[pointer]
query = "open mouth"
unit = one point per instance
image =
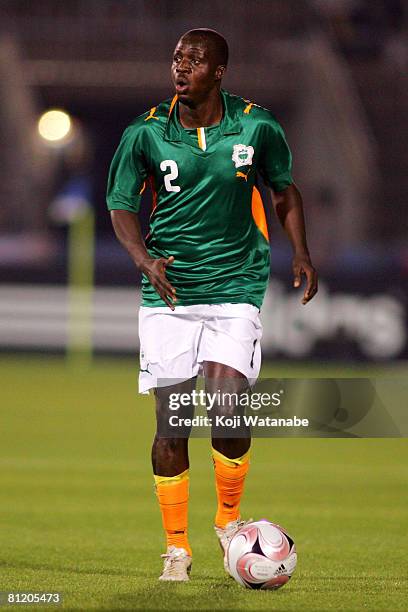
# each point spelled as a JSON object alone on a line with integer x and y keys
{"x": 181, "y": 85}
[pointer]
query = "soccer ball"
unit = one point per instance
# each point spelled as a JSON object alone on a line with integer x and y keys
{"x": 262, "y": 555}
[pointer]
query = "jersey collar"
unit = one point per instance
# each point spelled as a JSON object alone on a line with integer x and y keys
{"x": 230, "y": 123}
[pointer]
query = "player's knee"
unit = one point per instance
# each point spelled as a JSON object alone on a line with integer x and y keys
{"x": 228, "y": 408}
{"x": 169, "y": 446}
{"x": 226, "y": 411}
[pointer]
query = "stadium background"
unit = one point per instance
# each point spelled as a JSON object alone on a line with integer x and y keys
{"x": 78, "y": 509}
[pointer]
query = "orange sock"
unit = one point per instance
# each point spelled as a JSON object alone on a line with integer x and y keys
{"x": 172, "y": 493}
{"x": 229, "y": 482}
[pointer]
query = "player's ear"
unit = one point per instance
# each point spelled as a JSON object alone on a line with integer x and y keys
{"x": 219, "y": 72}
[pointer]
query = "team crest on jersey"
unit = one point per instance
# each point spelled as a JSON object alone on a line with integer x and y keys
{"x": 242, "y": 155}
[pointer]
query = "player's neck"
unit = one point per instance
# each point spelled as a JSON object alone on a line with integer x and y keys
{"x": 206, "y": 113}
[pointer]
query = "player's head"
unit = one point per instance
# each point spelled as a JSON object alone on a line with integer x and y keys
{"x": 199, "y": 63}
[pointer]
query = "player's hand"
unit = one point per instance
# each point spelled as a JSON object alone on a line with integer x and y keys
{"x": 155, "y": 270}
{"x": 302, "y": 266}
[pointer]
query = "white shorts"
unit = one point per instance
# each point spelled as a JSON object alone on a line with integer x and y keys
{"x": 174, "y": 344}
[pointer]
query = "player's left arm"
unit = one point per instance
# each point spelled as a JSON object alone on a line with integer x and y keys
{"x": 275, "y": 167}
{"x": 289, "y": 210}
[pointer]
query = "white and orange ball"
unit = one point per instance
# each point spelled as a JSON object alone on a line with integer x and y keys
{"x": 262, "y": 555}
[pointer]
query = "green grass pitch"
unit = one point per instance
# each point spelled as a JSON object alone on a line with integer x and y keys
{"x": 78, "y": 511}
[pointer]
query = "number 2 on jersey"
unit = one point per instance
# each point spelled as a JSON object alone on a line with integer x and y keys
{"x": 171, "y": 176}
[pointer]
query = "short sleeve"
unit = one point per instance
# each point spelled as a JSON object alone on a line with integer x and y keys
{"x": 276, "y": 160}
{"x": 127, "y": 173}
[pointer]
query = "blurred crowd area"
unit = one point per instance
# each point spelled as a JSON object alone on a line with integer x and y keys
{"x": 332, "y": 71}
{"x": 367, "y": 27}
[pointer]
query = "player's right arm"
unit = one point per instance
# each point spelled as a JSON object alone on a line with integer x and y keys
{"x": 128, "y": 232}
{"x": 126, "y": 181}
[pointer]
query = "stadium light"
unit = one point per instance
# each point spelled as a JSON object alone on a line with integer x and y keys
{"x": 67, "y": 140}
{"x": 55, "y": 126}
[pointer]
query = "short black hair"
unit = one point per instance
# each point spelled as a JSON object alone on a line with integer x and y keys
{"x": 214, "y": 39}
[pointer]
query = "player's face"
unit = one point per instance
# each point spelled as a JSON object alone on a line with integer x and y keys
{"x": 194, "y": 71}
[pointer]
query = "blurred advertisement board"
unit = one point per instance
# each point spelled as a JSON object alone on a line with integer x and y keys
{"x": 343, "y": 322}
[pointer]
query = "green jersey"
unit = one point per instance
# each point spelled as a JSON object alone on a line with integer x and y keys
{"x": 207, "y": 211}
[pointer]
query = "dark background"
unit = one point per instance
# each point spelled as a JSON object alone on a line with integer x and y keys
{"x": 332, "y": 72}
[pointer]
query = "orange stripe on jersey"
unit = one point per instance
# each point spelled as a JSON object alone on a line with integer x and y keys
{"x": 200, "y": 141}
{"x": 172, "y": 105}
{"x": 154, "y": 193}
{"x": 258, "y": 213}
{"x": 143, "y": 188}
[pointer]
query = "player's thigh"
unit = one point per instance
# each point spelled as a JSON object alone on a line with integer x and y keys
{"x": 226, "y": 385}
{"x": 174, "y": 401}
{"x": 168, "y": 346}
{"x": 232, "y": 337}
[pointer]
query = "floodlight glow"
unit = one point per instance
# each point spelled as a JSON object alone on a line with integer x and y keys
{"x": 54, "y": 125}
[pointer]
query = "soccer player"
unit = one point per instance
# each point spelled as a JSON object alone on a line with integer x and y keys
{"x": 205, "y": 264}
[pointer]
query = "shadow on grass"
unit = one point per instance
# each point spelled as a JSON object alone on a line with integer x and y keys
{"x": 222, "y": 593}
{"x": 201, "y": 594}
{"x": 69, "y": 569}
